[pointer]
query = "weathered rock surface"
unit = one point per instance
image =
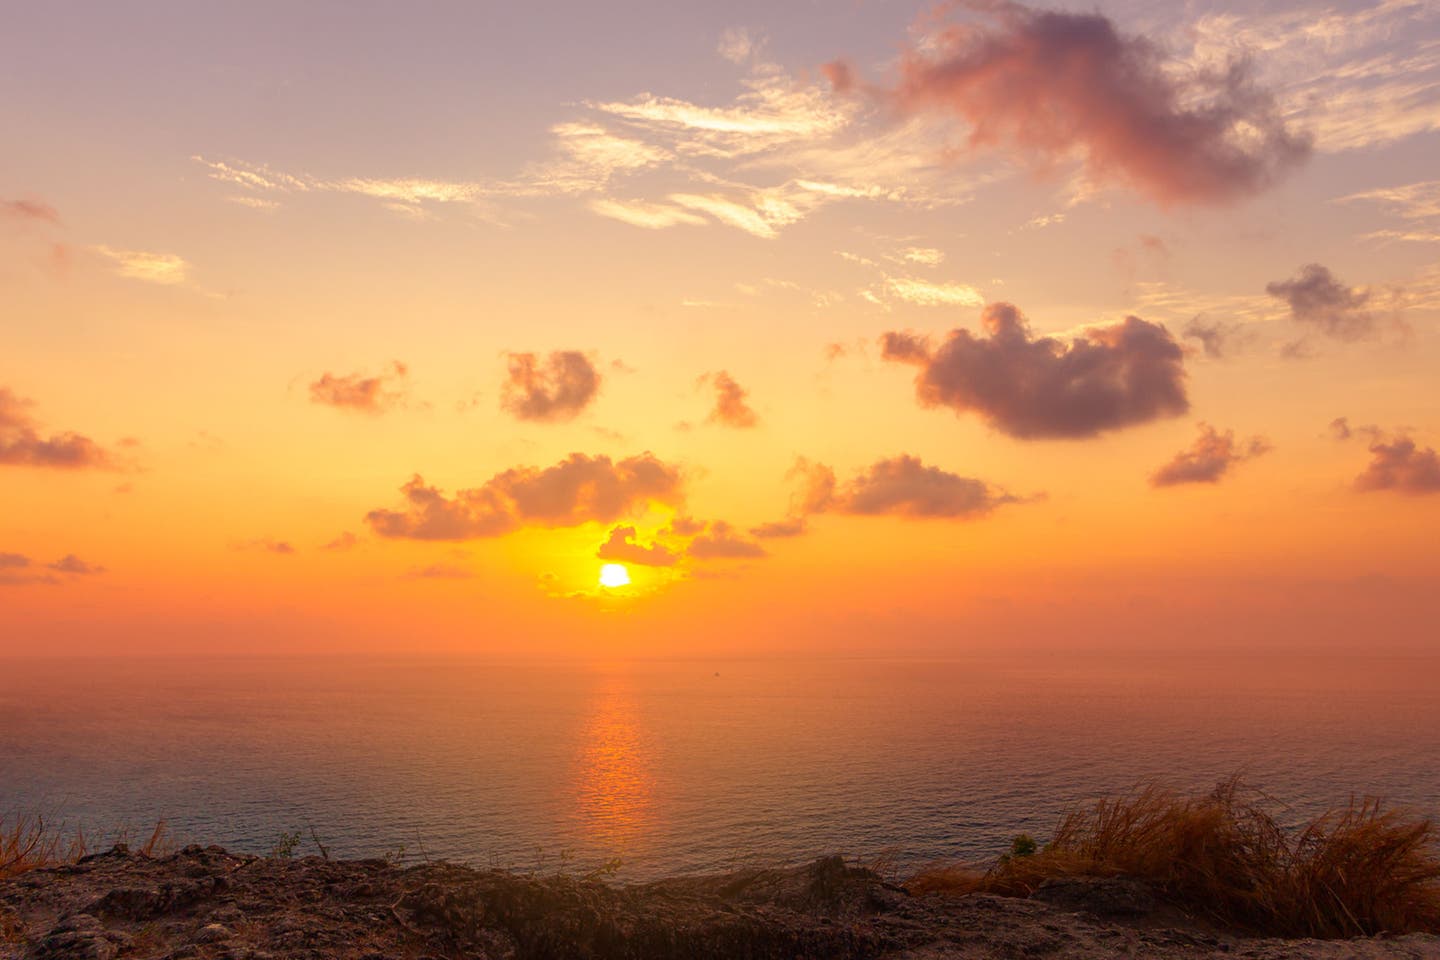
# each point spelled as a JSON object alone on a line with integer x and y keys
{"x": 206, "y": 903}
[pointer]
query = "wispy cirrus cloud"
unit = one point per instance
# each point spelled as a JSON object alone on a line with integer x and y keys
{"x": 587, "y": 157}
{"x": 891, "y": 289}
{"x": 255, "y": 203}
{"x": 758, "y": 161}
{"x": 651, "y": 216}
{"x": 253, "y": 176}
{"x": 1412, "y": 201}
{"x": 772, "y": 112}
{"x": 1416, "y": 204}
{"x": 1356, "y": 75}
{"x": 1173, "y": 302}
{"x": 927, "y": 256}
{"x": 927, "y": 293}
{"x": 167, "y": 269}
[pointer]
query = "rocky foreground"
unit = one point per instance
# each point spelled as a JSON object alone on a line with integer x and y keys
{"x": 207, "y": 903}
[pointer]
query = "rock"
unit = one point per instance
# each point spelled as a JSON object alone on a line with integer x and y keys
{"x": 145, "y": 903}
{"x": 336, "y": 910}
{"x": 1109, "y": 898}
{"x": 131, "y": 903}
{"x": 227, "y": 914}
{"x": 78, "y": 936}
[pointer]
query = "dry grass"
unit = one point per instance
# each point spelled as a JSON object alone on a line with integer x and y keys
{"x": 28, "y": 842}
{"x": 1361, "y": 870}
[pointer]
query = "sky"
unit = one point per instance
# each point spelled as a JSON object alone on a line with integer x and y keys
{"x": 851, "y": 328}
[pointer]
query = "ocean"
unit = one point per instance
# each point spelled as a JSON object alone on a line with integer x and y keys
{"x": 689, "y": 765}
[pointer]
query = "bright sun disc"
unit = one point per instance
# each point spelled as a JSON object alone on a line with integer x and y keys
{"x": 614, "y": 575}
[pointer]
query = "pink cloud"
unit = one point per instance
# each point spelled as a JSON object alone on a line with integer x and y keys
{"x": 1209, "y": 458}
{"x": 29, "y": 210}
{"x": 1035, "y": 387}
{"x": 1051, "y": 84}
{"x": 551, "y": 391}
{"x": 21, "y": 443}
{"x": 358, "y": 392}
{"x": 840, "y": 75}
{"x": 895, "y": 486}
{"x": 1318, "y": 299}
{"x": 731, "y": 408}
{"x": 1400, "y": 465}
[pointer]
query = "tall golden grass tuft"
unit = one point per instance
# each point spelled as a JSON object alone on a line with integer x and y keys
{"x": 29, "y": 842}
{"x": 1358, "y": 871}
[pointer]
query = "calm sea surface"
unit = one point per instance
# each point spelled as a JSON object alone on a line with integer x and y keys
{"x": 682, "y": 766}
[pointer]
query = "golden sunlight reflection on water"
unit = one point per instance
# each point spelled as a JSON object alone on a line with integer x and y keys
{"x": 615, "y": 785}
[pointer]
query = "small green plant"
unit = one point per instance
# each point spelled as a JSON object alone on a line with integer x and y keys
{"x": 284, "y": 848}
{"x": 1023, "y": 845}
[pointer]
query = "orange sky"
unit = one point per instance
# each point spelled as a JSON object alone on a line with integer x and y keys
{"x": 1123, "y": 355}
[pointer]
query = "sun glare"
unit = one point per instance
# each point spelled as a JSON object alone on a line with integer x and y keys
{"x": 614, "y": 575}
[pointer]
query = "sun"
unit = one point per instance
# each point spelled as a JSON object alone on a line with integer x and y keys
{"x": 614, "y": 575}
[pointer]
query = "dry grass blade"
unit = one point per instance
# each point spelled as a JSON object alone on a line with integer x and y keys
{"x": 1362, "y": 870}
{"x": 29, "y": 842}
